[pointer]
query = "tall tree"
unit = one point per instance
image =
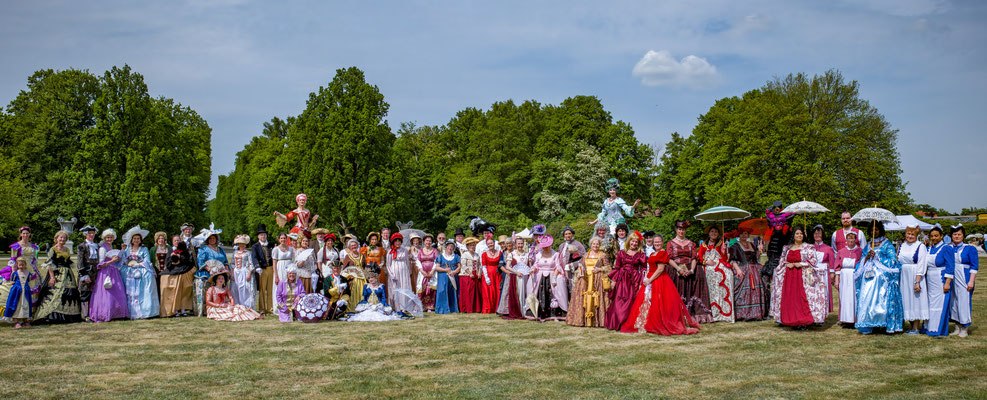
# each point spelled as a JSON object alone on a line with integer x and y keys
{"x": 41, "y": 135}
{"x": 795, "y": 138}
{"x": 339, "y": 151}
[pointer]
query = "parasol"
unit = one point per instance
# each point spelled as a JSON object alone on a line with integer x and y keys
{"x": 758, "y": 226}
{"x": 805, "y": 207}
{"x": 312, "y": 307}
{"x": 525, "y": 234}
{"x": 407, "y": 302}
{"x": 722, "y": 213}
{"x": 874, "y": 214}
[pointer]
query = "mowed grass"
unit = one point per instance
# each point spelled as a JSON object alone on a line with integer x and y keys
{"x": 480, "y": 356}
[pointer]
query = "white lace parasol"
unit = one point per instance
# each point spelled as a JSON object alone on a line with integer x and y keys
{"x": 874, "y": 214}
{"x": 805, "y": 207}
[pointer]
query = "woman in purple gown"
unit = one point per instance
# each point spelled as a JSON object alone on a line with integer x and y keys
{"x": 109, "y": 299}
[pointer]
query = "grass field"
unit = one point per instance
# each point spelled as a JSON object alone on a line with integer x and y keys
{"x": 480, "y": 356}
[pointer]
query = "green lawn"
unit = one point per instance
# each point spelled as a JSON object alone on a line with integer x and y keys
{"x": 474, "y": 356}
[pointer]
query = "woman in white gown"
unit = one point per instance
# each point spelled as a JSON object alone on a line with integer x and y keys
{"x": 913, "y": 256}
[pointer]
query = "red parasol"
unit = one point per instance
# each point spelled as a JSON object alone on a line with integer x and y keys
{"x": 758, "y": 226}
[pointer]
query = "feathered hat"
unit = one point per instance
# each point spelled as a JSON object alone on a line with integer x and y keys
{"x": 613, "y": 184}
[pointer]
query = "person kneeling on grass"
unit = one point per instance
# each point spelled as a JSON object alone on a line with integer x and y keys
{"x": 289, "y": 291}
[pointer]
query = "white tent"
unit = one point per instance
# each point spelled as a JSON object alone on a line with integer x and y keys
{"x": 907, "y": 220}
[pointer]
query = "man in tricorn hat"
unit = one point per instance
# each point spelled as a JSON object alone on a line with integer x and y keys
{"x": 88, "y": 258}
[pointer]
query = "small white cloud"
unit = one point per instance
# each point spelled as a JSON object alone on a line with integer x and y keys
{"x": 659, "y": 68}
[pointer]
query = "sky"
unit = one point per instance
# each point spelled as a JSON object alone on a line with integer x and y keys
{"x": 657, "y": 65}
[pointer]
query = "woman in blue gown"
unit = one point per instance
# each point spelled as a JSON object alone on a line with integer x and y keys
{"x": 138, "y": 276}
{"x": 446, "y": 267}
{"x": 877, "y": 278}
{"x": 939, "y": 271}
{"x": 210, "y": 251}
{"x": 966, "y": 262}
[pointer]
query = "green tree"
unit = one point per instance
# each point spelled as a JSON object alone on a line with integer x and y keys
{"x": 795, "y": 138}
{"x": 144, "y": 161}
{"x": 339, "y": 152}
{"x": 41, "y": 135}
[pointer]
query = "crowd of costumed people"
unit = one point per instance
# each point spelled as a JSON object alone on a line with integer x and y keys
{"x": 620, "y": 279}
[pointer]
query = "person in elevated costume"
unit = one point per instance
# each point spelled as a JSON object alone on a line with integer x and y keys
{"x": 615, "y": 210}
{"x": 304, "y": 220}
{"x": 966, "y": 263}
{"x": 877, "y": 279}
{"x": 779, "y": 235}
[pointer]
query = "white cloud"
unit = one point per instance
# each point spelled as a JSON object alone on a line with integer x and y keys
{"x": 659, "y": 68}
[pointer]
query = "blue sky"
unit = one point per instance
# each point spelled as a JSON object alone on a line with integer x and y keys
{"x": 656, "y": 65}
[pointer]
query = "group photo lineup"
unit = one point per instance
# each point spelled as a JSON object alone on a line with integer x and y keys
{"x": 230, "y": 198}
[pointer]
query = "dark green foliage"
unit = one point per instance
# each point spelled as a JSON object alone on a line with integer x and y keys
{"x": 797, "y": 138}
{"x": 512, "y": 164}
{"x": 102, "y": 150}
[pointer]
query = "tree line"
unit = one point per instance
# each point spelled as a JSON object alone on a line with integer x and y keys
{"x": 102, "y": 149}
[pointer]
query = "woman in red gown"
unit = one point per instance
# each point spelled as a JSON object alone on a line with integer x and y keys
{"x": 658, "y": 308}
{"x": 791, "y": 305}
{"x": 469, "y": 288}
{"x": 490, "y": 284}
{"x": 626, "y": 277}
